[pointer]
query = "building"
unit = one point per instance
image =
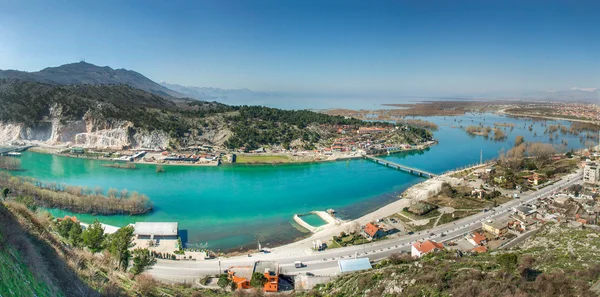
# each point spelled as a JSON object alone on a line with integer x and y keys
{"x": 242, "y": 275}
{"x": 373, "y": 231}
{"x": 73, "y": 219}
{"x": 480, "y": 249}
{"x": 525, "y": 212}
{"x": 497, "y": 227}
{"x": 368, "y": 130}
{"x": 77, "y": 150}
{"x": 419, "y": 249}
{"x": 535, "y": 179}
{"x": 156, "y": 230}
{"x": 352, "y": 265}
{"x": 591, "y": 173}
{"x": 477, "y": 239}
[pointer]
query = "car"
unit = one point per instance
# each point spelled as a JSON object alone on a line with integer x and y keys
{"x": 432, "y": 234}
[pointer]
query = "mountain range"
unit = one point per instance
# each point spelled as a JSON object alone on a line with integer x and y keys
{"x": 207, "y": 93}
{"x": 83, "y": 73}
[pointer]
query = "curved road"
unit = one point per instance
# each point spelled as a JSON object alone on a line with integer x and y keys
{"x": 326, "y": 262}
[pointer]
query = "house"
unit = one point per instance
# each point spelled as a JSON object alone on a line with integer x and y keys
{"x": 270, "y": 269}
{"x": 500, "y": 180}
{"x": 477, "y": 239}
{"x": 478, "y": 193}
{"x": 480, "y": 249}
{"x": 419, "y": 249}
{"x": 373, "y": 231}
{"x": 156, "y": 230}
{"x": 73, "y": 219}
{"x": 535, "y": 179}
{"x": 497, "y": 227}
{"x": 242, "y": 275}
{"x": 352, "y": 265}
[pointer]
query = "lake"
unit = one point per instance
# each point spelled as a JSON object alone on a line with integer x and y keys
{"x": 231, "y": 207}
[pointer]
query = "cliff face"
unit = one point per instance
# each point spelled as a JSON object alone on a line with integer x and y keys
{"x": 90, "y": 131}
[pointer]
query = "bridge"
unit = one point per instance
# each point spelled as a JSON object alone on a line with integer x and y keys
{"x": 397, "y": 166}
{"x": 6, "y": 150}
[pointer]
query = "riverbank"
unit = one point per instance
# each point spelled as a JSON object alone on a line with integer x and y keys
{"x": 526, "y": 115}
{"x": 420, "y": 191}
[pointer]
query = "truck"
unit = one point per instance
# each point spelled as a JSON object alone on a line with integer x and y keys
{"x": 298, "y": 264}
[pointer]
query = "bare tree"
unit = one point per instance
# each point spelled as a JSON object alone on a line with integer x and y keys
{"x": 541, "y": 153}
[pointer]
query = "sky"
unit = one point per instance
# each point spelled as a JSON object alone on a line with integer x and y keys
{"x": 420, "y": 48}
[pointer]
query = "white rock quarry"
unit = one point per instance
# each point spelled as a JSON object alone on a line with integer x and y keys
{"x": 87, "y": 132}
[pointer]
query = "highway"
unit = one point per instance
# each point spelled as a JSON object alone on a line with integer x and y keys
{"x": 326, "y": 262}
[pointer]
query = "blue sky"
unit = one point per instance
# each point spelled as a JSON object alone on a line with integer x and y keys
{"x": 427, "y": 48}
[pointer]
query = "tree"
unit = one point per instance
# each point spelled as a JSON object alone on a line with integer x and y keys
{"x": 224, "y": 281}
{"x": 5, "y": 192}
{"x": 75, "y": 234}
{"x": 63, "y": 228}
{"x": 258, "y": 280}
{"x": 93, "y": 237}
{"x": 508, "y": 261}
{"x": 142, "y": 259}
{"x": 541, "y": 153}
{"x": 118, "y": 245}
{"x": 519, "y": 140}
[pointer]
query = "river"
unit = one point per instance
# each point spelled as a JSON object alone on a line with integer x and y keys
{"x": 231, "y": 207}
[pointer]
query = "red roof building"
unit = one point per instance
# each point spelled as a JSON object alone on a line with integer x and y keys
{"x": 419, "y": 249}
{"x": 373, "y": 231}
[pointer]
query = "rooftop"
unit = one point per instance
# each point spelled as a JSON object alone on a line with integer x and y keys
{"x": 242, "y": 271}
{"x": 354, "y": 265}
{"x": 499, "y": 223}
{"x": 371, "y": 229}
{"x": 271, "y": 267}
{"x": 156, "y": 228}
{"x": 427, "y": 246}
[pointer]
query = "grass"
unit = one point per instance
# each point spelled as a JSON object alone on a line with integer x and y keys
{"x": 17, "y": 280}
{"x": 261, "y": 159}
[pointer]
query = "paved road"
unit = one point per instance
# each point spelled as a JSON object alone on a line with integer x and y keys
{"x": 326, "y": 262}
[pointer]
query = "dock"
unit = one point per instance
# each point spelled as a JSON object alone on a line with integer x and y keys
{"x": 6, "y": 150}
{"x": 397, "y": 166}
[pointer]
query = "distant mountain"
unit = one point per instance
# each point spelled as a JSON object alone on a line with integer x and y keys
{"x": 206, "y": 93}
{"x": 85, "y": 73}
{"x": 574, "y": 94}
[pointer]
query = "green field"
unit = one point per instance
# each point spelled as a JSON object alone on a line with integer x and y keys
{"x": 261, "y": 159}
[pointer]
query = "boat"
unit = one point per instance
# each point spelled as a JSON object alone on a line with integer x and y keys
{"x": 13, "y": 154}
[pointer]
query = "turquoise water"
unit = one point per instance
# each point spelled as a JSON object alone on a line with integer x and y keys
{"x": 231, "y": 207}
{"x": 313, "y": 220}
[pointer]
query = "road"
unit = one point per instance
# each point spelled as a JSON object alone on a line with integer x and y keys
{"x": 326, "y": 262}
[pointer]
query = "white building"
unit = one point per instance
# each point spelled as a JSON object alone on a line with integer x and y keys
{"x": 156, "y": 230}
{"x": 591, "y": 173}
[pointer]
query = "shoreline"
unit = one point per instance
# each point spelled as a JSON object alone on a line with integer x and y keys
{"x": 419, "y": 147}
{"x": 525, "y": 115}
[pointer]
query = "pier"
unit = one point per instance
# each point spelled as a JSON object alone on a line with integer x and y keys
{"x": 410, "y": 170}
{"x": 5, "y": 150}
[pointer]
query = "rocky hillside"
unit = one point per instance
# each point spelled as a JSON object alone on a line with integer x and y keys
{"x": 116, "y": 116}
{"x": 558, "y": 261}
{"x": 83, "y": 73}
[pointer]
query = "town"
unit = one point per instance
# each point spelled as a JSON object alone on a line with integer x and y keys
{"x": 345, "y": 143}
